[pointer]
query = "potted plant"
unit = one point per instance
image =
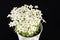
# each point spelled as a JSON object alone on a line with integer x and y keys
{"x": 26, "y": 21}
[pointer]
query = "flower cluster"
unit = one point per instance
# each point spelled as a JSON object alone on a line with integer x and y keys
{"x": 25, "y": 18}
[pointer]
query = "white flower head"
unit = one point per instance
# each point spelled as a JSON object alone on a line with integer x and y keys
{"x": 24, "y": 18}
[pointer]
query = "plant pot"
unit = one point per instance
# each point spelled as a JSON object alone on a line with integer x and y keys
{"x": 31, "y": 38}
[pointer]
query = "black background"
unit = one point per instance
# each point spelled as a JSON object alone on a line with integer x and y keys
{"x": 48, "y": 8}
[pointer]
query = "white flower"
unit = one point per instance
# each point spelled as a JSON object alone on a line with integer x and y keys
{"x": 36, "y": 6}
{"x": 11, "y": 24}
{"x": 8, "y": 15}
{"x": 13, "y": 11}
{"x": 25, "y": 18}
{"x": 31, "y": 6}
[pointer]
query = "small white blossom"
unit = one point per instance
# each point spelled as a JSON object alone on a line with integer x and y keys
{"x": 36, "y": 6}
{"x": 8, "y": 15}
{"x": 31, "y": 6}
